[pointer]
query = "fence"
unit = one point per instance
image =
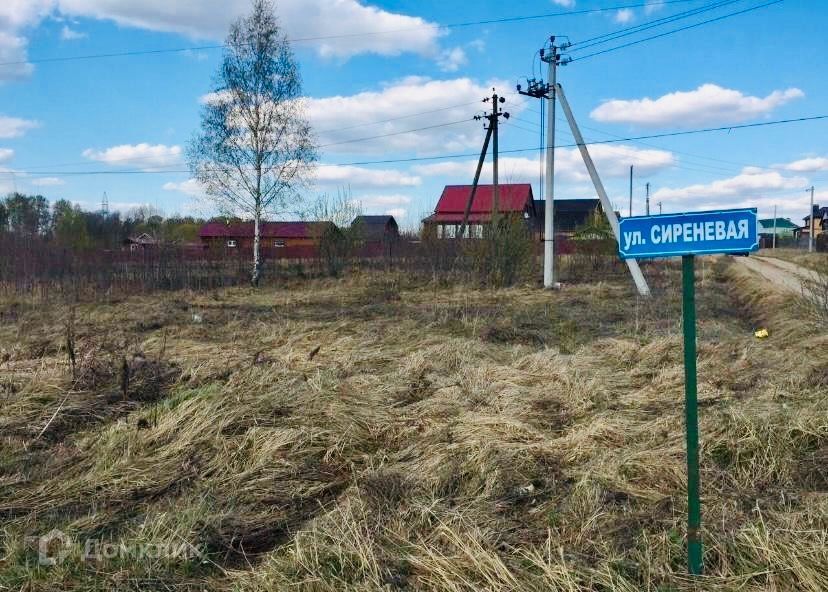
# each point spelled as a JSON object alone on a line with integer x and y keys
{"x": 40, "y": 268}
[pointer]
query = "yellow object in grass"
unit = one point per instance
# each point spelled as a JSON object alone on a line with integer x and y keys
{"x": 761, "y": 333}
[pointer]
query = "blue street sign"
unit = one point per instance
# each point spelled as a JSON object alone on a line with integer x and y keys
{"x": 691, "y": 233}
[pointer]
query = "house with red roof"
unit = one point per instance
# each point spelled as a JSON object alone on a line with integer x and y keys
{"x": 274, "y": 235}
{"x": 513, "y": 198}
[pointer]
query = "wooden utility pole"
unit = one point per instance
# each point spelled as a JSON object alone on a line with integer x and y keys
{"x": 631, "y": 178}
{"x": 773, "y": 242}
{"x": 491, "y": 135}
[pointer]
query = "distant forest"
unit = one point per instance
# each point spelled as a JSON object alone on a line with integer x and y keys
{"x": 32, "y": 216}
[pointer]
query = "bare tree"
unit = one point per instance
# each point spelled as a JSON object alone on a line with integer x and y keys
{"x": 255, "y": 150}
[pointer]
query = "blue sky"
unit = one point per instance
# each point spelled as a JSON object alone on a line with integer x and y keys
{"x": 136, "y": 113}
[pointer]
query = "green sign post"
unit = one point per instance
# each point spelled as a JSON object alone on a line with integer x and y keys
{"x": 691, "y": 414}
{"x": 688, "y": 235}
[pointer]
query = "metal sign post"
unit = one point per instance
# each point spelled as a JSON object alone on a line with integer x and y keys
{"x": 688, "y": 235}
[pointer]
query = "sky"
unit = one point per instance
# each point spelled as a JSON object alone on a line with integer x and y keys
{"x": 78, "y": 126}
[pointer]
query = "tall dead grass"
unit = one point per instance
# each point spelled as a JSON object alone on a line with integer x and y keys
{"x": 414, "y": 451}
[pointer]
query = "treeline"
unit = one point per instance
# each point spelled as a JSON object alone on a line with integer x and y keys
{"x": 69, "y": 226}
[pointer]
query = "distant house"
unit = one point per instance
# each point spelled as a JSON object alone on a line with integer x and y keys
{"x": 376, "y": 229}
{"x": 273, "y": 235}
{"x": 783, "y": 227}
{"x": 820, "y": 223}
{"x": 141, "y": 242}
{"x": 376, "y": 235}
{"x": 513, "y": 198}
{"x": 570, "y": 214}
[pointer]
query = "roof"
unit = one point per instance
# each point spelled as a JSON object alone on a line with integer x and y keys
{"x": 822, "y": 213}
{"x": 373, "y": 219}
{"x": 142, "y": 239}
{"x": 512, "y": 197}
{"x": 780, "y": 223}
{"x": 457, "y": 217}
{"x": 267, "y": 230}
{"x": 375, "y": 227}
{"x": 568, "y": 205}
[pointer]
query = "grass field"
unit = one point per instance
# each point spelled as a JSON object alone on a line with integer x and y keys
{"x": 371, "y": 434}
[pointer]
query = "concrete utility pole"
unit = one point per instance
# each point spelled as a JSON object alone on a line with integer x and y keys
{"x": 539, "y": 90}
{"x": 773, "y": 242}
{"x": 647, "y": 201}
{"x": 659, "y": 207}
{"x": 811, "y": 223}
{"x": 631, "y": 177}
{"x": 632, "y": 264}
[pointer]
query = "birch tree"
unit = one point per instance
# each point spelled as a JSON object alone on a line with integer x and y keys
{"x": 255, "y": 150}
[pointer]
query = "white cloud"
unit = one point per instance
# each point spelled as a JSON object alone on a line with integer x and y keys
{"x": 806, "y": 165}
{"x": 69, "y": 34}
{"x": 707, "y": 104}
{"x": 48, "y": 182}
{"x": 623, "y": 16}
{"x": 342, "y": 118}
{"x": 753, "y": 187}
{"x": 397, "y": 212}
{"x": 14, "y": 127}
{"x": 147, "y": 157}
{"x": 564, "y": 3}
{"x": 355, "y": 176}
{"x": 611, "y": 162}
{"x": 379, "y": 201}
{"x": 450, "y": 60}
{"x": 301, "y": 19}
{"x": 653, "y": 6}
{"x": 6, "y": 154}
{"x": 477, "y": 44}
{"x": 189, "y": 187}
{"x": 16, "y": 15}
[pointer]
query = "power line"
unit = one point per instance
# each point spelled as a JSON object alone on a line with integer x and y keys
{"x": 388, "y": 135}
{"x": 672, "y": 31}
{"x": 340, "y": 36}
{"x": 607, "y": 37}
{"x": 467, "y": 154}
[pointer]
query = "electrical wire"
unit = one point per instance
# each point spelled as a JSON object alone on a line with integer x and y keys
{"x": 673, "y": 31}
{"x": 607, "y": 37}
{"x": 456, "y": 25}
{"x": 471, "y": 154}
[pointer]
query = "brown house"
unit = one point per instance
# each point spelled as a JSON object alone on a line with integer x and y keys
{"x": 274, "y": 235}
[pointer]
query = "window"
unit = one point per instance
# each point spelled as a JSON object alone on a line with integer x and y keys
{"x": 477, "y": 230}
{"x": 278, "y": 243}
{"x": 439, "y": 231}
{"x": 449, "y": 231}
{"x": 231, "y": 243}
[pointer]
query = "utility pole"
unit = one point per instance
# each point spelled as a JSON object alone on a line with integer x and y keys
{"x": 631, "y": 177}
{"x": 659, "y": 207}
{"x": 491, "y": 135}
{"x": 647, "y": 202}
{"x": 773, "y": 242}
{"x": 811, "y": 223}
{"x": 540, "y": 90}
{"x": 105, "y": 204}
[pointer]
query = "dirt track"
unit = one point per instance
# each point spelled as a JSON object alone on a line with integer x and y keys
{"x": 784, "y": 274}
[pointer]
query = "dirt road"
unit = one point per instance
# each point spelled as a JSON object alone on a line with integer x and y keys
{"x": 784, "y": 274}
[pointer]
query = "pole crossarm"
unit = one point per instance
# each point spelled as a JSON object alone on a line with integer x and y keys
{"x": 632, "y": 264}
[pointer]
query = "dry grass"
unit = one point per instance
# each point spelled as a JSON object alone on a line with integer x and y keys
{"x": 437, "y": 439}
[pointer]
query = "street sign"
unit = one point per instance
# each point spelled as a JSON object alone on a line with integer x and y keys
{"x": 691, "y": 233}
{"x": 688, "y": 235}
